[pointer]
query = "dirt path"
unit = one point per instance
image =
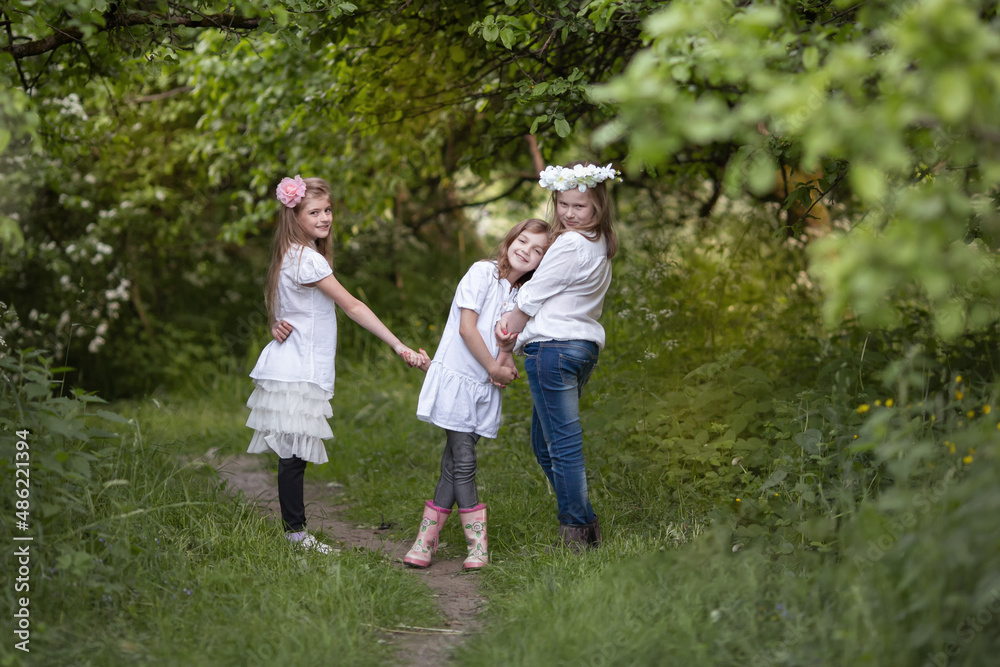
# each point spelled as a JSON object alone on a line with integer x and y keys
{"x": 456, "y": 591}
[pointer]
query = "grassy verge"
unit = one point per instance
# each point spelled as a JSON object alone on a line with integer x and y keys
{"x": 139, "y": 557}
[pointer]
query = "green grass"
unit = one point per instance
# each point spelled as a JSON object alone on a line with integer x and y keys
{"x": 159, "y": 565}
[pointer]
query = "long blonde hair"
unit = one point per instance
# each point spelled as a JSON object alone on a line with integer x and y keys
{"x": 288, "y": 233}
{"x": 500, "y": 254}
{"x": 604, "y": 213}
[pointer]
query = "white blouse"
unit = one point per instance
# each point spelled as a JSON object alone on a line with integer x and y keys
{"x": 309, "y": 353}
{"x": 565, "y": 297}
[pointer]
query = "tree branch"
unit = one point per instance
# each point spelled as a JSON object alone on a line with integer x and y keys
{"x": 17, "y": 63}
{"x": 57, "y": 39}
{"x": 417, "y": 224}
{"x": 840, "y": 177}
{"x": 180, "y": 90}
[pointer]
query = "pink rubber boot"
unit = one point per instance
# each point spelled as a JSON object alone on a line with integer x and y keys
{"x": 474, "y": 525}
{"x": 420, "y": 553}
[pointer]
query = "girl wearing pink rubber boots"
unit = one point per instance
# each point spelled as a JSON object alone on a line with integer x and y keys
{"x": 461, "y": 392}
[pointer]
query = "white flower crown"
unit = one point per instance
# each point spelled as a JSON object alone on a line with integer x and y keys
{"x": 581, "y": 177}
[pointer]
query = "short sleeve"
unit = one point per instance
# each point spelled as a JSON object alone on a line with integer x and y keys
{"x": 474, "y": 286}
{"x": 312, "y": 268}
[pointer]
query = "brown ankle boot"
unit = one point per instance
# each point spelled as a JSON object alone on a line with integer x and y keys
{"x": 574, "y": 538}
{"x": 594, "y": 536}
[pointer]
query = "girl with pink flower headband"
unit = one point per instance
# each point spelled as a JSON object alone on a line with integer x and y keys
{"x": 294, "y": 375}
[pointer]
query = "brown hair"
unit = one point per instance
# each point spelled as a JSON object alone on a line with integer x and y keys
{"x": 604, "y": 213}
{"x": 500, "y": 254}
{"x": 288, "y": 233}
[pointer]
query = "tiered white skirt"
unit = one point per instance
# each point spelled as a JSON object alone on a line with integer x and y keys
{"x": 290, "y": 419}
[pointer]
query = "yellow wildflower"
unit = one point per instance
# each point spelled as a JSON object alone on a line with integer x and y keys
{"x": 889, "y": 402}
{"x": 863, "y": 408}
{"x": 987, "y": 409}
{"x": 959, "y": 395}
{"x": 856, "y": 435}
{"x": 951, "y": 447}
{"x": 878, "y": 402}
{"x": 967, "y": 460}
{"x": 737, "y": 500}
{"x": 970, "y": 414}
{"x": 958, "y": 378}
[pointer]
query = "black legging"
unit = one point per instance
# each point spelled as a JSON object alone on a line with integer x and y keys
{"x": 458, "y": 472}
{"x": 291, "y": 473}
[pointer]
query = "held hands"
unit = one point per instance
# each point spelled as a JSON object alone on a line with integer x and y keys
{"x": 505, "y": 371}
{"x": 281, "y": 330}
{"x": 414, "y": 359}
{"x": 501, "y": 376}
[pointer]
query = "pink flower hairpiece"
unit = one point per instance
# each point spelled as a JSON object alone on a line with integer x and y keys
{"x": 291, "y": 191}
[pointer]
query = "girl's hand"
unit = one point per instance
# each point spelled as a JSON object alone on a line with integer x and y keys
{"x": 425, "y": 361}
{"x": 506, "y": 360}
{"x": 501, "y": 376}
{"x": 505, "y": 340}
{"x": 281, "y": 330}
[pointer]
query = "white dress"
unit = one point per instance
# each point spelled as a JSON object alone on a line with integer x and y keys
{"x": 457, "y": 394}
{"x": 290, "y": 404}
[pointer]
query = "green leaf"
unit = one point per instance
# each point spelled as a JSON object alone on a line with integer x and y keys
{"x": 507, "y": 38}
{"x": 868, "y": 182}
{"x": 490, "y": 32}
{"x": 810, "y": 58}
{"x": 762, "y": 173}
{"x": 112, "y": 417}
{"x": 562, "y": 128}
{"x": 775, "y": 478}
{"x": 953, "y": 94}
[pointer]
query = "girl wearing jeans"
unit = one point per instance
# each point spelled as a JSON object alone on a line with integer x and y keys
{"x": 555, "y": 324}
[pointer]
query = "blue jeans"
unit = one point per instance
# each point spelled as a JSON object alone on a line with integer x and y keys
{"x": 557, "y": 371}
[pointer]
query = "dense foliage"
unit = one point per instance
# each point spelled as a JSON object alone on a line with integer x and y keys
{"x": 143, "y": 159}
{"x": 887, "y": 106}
